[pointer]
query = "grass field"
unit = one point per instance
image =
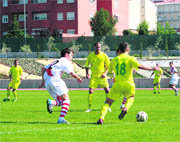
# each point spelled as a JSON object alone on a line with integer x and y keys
{"x": 28, "y": 120}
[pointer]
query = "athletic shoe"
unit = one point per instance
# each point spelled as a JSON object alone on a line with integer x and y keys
{"x": 49, "y": 106}
{"x": 154, "y": 92}
{"x": 63, "y": 121}
{"x": 159, "y": 92}
{"x": 100, "y": 121}
{"x": 122, "y": 106}
{"x": 109, "y": 109}
{"x": 122, "y": 114}
{"x": 88, "y": 110}
{"x": 14, "y": 100}
{"x": 177, "y": 93}
{"x": 6, "y": 100}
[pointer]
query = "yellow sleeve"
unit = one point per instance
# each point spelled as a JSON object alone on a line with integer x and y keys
{"x": 88, "y": 61}
{"x": 110, "y": 68}
{"x": 134, "y": 63}
{"x": 21, "y": 70}
{"x": 10, "y": 71}
{"x": 107, "y": 61}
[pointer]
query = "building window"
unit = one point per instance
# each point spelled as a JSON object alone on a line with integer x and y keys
{"x": 60, "y": 1}
{"x": 5, "y": 33}
{"x": 40, "y": 16}
{"x": 5, "y": 19}
{"x": 22, "y": 1}
{"x": 60, "y": 16}
{"x": 70, "y": 16}
{"x": 39, "y": 1}
{"x": 70, "y": 1}
{"x": 5, "y": 3}
{"x": 71, "y": 31}
{"x": 21, "y": 17}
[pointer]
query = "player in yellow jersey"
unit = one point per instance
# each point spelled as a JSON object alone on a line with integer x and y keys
{"x": 157, "y": 78}
{"x": 15, "y": 75}
{"x": 123, "y": 66}
{"x": 98, "y": 62}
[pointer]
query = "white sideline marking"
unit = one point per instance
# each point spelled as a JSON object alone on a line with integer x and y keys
{"x": 53, "y": 129}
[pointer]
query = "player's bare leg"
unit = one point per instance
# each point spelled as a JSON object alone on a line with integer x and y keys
{"x": 90, "y": 97}
{"x": 107, "y": 91}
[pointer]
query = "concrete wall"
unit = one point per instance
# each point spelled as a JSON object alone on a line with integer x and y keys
{"x": 72, "y": 83}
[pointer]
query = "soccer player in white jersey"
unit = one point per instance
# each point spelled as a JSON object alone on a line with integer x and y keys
{"x": 51, "y": 77}
{"x": 174, "y": 78}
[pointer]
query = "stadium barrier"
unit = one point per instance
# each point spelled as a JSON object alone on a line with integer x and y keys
{"x": 83, "y": 54}
{"x": 72, "y": 83}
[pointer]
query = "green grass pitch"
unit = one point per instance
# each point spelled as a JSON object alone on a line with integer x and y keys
{"x": 28, "y": 120}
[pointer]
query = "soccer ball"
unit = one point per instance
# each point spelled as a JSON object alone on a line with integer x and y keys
{"x": 141, "y": 116}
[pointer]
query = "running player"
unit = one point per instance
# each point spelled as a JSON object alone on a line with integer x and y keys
{"x": 51, "y": 77}
{"x": 122, "y": 66}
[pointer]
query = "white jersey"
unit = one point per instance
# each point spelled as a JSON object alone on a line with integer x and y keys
{"x": 57, "y": 68}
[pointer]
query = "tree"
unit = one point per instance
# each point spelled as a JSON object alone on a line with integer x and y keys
{"x": 103, "y": 24}
{"x": 15, "y": 30}
{"x": 143, "y": 28}
{"x": 26, "y": 49}
{"x": 167, "y": 29}
{"x": 5, "y": 49}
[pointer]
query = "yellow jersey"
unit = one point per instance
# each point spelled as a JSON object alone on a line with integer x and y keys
{"x": 16, "y": 73}
{"x": 157, "y": 74}
{"x": 123, "y": 65}
{"x": 97, "y": 63}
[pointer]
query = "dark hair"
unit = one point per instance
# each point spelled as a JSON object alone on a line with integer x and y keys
{"x": 95, "y": 44}
{"x": 122, "y": 47}
{"x": 66, "y": 50}
{"x": 15, "y": 60}
{"x": 171, "y": 62}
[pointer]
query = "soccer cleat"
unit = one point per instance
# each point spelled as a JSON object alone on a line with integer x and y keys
{"x": 49, "y": 106}
{"x": 122, "y": 114}
{"x": 177, "y": 93}
{"x": 88, "y": 110}
{"x": 109, "y": 109}
{"x": 154, "y": 92}
{"x": 14, "y": 100}
{"x": 122, "y": 106}
{"x": 63, "y": 121}
{"x": 100, "y": 121}
{"x": 6, "y": 100}
{"x": 159, "y": 92}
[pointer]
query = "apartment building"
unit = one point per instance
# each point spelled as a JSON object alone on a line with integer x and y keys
{"x": 169, "y": 11}
{"x": 62, "y": 16}
{"x": 140, "y": 10}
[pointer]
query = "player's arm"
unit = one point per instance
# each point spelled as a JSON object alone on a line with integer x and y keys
{"x": 87, "y": 67}
{"x": 107, "y": 62}
{"x": 151, "y": 74}
{"x": 147, "y": 68}
{"x": 42, "y": 82}
{"x": 76, "y": 76}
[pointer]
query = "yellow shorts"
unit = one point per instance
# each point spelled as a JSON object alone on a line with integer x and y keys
{"x": 118, "y": 90}
{"x": 156, "y": 81}
{"x": 14, "y": 84}
{"x": 98, "y": 82}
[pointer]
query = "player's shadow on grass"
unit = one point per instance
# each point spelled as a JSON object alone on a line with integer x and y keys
{"x": 82, "y": 110}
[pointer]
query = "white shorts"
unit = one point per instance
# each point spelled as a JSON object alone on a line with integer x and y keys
{"x": 174, "y": 80}
{"x": 56, "y": 87}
